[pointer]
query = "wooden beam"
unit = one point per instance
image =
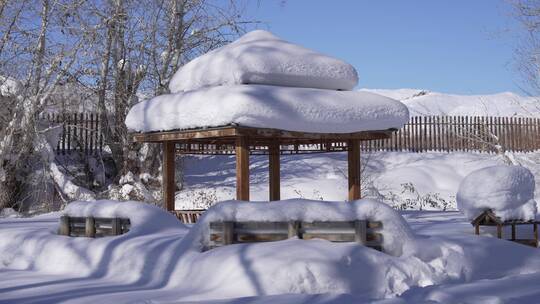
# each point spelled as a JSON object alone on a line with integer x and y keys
{"x": 353, "y": 153}
{"x": 255, "y": 133}
{"x": 274, "y": 168}
{"x": 168, "y": 187}
{"x": 242, "y": 169}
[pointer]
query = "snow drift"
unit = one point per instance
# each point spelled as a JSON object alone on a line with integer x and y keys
{"x": 292, "y": 109}
{"x": 507, "y": 190}
{"x": 163, "y": 264}
{"x": 259, "y": 57}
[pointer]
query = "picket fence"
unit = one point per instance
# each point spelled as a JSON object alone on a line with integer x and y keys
{"x": 82, "y": 132}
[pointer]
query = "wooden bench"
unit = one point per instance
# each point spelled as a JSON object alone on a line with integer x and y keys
{"x": 189, "y": 216}
{"x": 362, "y": 232}
{"x": 488, "y": 218}
{"x": 93, "y": 226}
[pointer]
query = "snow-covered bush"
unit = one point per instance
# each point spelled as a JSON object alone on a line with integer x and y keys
{"x": 507, "y": 190}
{"x": 410, "y": 198}
{"x": 396, "y": 232}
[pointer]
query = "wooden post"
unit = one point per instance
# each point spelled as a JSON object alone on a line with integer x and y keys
{"x": 90, "y": 227}
{"x": 228, "y": 233}
{"x": 513, "y": 232}
{"x": 477, "y": 229}
{"x": 64, "y": 226}
{"x": 242, "y": 169}
{"x": 499, "y": 231}
{"x": 353, "y": 152}
{"x": 168, "y": 175}
{"x": 273, "y": 167}
{"x": 360, "y": 232}
{"x": 535, "y": 233}
{"x": 116, "y": 226}
{"x": 294, "y": 229}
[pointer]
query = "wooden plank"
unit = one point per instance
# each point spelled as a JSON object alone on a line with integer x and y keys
{"x": 353, "y": 157}
{"x": 274, "y": 171}
{"x": 242, "y": 169}
{"x": 168, "y": 172}
{"x": 90, "y": 227}
{"x": 234, "y": 131}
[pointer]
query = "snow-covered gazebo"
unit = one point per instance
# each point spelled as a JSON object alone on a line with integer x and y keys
{"x": 261, "y": 94}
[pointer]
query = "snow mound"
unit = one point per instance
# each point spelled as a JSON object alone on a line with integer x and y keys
{"x": 259, "y": 57}
{"x": 285, "y": 108}
{"x": 395, "y": 230}
{"x": 507, "y": 190}
{"x": 144, "y": 218}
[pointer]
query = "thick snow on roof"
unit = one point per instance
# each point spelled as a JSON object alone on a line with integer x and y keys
{"x": 507, "y": 190}
{"x": 259, "y": 57}
{"x": 285, "y": 108}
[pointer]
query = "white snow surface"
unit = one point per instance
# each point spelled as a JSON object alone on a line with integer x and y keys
{"x": 395, "y": 230}
{"x": 285, "y": 108}
{"x": 259, "y": 57}
{"x": 443, "y": 263}
{"x": 507, "y": 190}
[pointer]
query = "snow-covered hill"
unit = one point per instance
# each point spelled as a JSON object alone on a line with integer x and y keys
{"x": 422, "y": 102}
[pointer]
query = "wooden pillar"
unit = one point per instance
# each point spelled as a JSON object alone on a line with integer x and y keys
{"x": 353, "y": 152}
{"x": 168, "y": 175}
{"x": 273, "y": 167}
{"x": 499, "y": 231}
{"x": 242, "y": 169}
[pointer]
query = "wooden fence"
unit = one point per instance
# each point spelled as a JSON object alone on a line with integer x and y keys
{"x": 364, "y": 232}
{"x": 80, "y": 132}
{"x": 462, "y": 133}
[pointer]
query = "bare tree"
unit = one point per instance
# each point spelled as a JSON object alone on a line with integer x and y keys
{"x": 121, "y": 50}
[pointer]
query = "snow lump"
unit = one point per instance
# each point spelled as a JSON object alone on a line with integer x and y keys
{"x": 259, "y": 57}
{"x": 293, "y": 109}
{"x": 507, "y": 190}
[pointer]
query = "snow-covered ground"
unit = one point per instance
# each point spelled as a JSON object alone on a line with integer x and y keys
{"x": 404, "y": 180}
{"x": 422, "y": 102}
{"x": 157, "y": 262}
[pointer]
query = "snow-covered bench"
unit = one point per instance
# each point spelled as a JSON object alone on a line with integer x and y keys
{"x": 500, "y": 196}
{"x": 367, "y": 222}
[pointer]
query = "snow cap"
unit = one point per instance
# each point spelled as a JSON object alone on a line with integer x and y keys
{"x": 264, "y": 106}
{"x": 259, "y": 57}
{"x": 507, "y": 190}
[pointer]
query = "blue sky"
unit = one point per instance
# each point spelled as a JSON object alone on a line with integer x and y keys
{"x": 454, "y": 46}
